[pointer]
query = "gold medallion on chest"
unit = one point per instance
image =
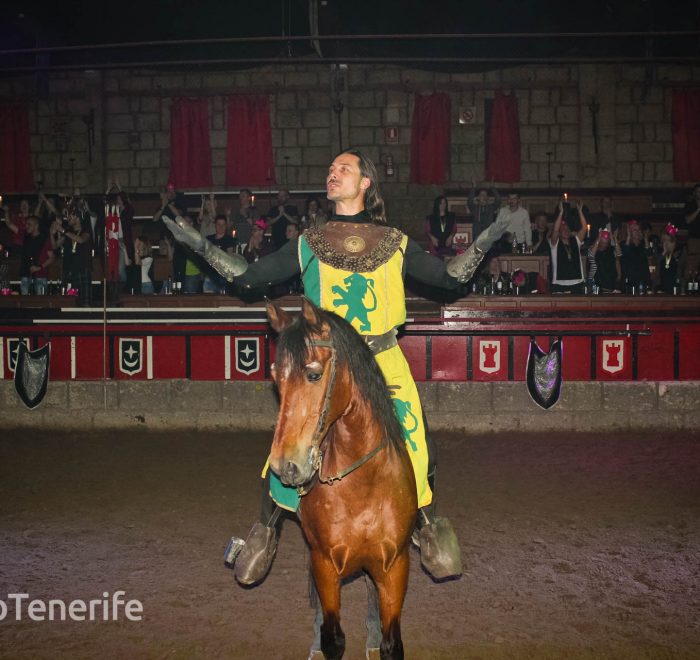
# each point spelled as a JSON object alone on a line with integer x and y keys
{"x": 354, "y": 244}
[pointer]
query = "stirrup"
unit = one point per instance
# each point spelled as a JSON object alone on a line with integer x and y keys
{"x": 255, "y": 558}
{"x": 439, "y": 549}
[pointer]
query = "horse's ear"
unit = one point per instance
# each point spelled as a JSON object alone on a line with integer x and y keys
{"x": 279, "y": 319}
{"x": 310, "y": 312}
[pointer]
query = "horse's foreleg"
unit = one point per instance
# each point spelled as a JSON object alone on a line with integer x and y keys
{"x": 328, "y": 587}
{"x": 374, "y": 629}
{"x": 392, "y": 591}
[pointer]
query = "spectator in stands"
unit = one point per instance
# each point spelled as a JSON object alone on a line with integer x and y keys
{"x": 491, "y": 280}
{"x": 635, "y": 258}
{"x": 483, "y": 211}
{"x": 281, "y": 215}
{"x": 314, "y": 217}
{"x": 565, "y": 251}
{"x": 126, "y": 219}
{"x": 36, "y": 257}
{"x": 651, "y": 239}
{"x": 213, "y": 282}
{"x": 440, "y": 228}
{"x": 518, "y": 220}
{"x": 292, "y": 232}
{"x": 242, "y": 221}
{"x": 207, "y": 213}
{"x": 143, "y": 258}
{"x": 604, "y": 268}
{"x": 77, "y": 254}
{"x": 17, "y": 224}
{"x": 257, "y": 246}
{"x": 692, "y": 221}
{"x": 540, "y": 234}
{"x": 172, "y": 204}
{"x": 671, "y": 263}
{"x": 604, "y": 219}
{"x": 48, "y": 210}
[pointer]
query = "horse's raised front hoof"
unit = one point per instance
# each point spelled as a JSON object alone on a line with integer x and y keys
{"x": 439, "y": 549}
{"x": 254, "y": 561}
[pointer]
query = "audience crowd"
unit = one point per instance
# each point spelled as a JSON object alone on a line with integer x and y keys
{"x": 588, "y": 252}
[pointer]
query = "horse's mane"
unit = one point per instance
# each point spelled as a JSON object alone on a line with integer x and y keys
{"x": 352, "y": 353}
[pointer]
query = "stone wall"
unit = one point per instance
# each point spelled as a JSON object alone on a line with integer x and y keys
{"x": 473, "y": 408}
{"x": 132, "y": 113}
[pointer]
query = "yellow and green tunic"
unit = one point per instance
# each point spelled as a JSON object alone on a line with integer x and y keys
{"x": 373, "y": 302}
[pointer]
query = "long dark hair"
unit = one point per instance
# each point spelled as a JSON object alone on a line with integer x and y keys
{"x": 353, "y": 354}
{"x": 436, "y": 206}
{"x": 374, "y": 204}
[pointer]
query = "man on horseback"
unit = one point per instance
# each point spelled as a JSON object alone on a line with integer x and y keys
{"x": 337, "y": 263}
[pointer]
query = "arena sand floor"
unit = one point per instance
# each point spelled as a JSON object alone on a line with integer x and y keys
{"x": 575, "y": 546}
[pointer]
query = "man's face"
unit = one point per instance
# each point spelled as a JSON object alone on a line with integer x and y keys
{"x": 220, "y": 226}
{"x": 345, "y": 181}
{"x": 292, "y": 232}
{"x": 244, "y": 198}
{"x": 32, "y": 226}
{"x": 606, "y": 205}
{"x": 513, "y": 201}
{"x": 282, "y": 196}
{"x": 24, "y": 207}
{"x": 483, "y": 197}
{"x": 541, "y": 221}
{"x": 565, "y": 232}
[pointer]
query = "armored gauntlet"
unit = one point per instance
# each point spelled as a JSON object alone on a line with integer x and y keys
{"x": 227, "y": 265}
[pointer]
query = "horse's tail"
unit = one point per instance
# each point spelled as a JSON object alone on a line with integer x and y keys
{"x": 370, "y": 288}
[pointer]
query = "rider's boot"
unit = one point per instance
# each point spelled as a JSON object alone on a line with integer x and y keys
{"x": 253, "y": 562}
{"x": 439, "y": 549}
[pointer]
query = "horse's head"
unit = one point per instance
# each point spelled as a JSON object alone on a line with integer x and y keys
{"x": 314, "y": 391}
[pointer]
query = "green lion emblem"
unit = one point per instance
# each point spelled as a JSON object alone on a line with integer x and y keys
{"x": 352, "y": 296}
{"x": 409, "y": 422}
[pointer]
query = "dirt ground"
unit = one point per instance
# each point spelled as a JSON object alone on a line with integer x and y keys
{"x": 575, "y": 546}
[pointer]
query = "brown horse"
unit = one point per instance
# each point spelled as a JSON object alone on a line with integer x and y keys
{"x": 339, "y": 441}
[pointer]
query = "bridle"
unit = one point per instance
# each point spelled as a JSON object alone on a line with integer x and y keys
{"x": 319, "y": 434}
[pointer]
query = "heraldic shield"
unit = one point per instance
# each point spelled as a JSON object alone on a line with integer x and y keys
{"x": 32, "y": 374}
{"x": 544, "y": 374}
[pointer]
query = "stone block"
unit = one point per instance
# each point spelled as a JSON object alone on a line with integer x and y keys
{"x": 21, "y": 418}
{"x": 138, "y": 396}
{"x": 651, "y": 152}
{"x": 473, "y": 424}
{"x": 511, "y": 398}
{"x": 48, "y": 161}
{"x": 308, "y": 79}
{"x": 317, "y": 118}
{"x": 148, "y": 158}
{"x": 664, "y": 172}
{"x": 200, "y": 395}
{"x": 364, "y": 99}
{"x": 116, "y": 105}
{"x": 566, "y": 153}
{"x": 361, "y": 136}
{"x": 120, "y": 123}
{"x": 600, "y": 421}
{"x": 317, "y": 155}
{"x": 542, "y": 115}
{"x": 464, "y": 397}
{"x": 120, "y": 159}
{"x": 136, "y": 83}
{"x": 319, "y": 137}
{"x": 90, "y": 395}
{"x": 580, "y": 396}
{"x": 382, "y": 75}
{"x": 679, "y": 396}
{"x": 567, "y": 114}
{"x": 168, "y": 82}
{"x": 552, "y": 74}
{"x": 249, "y": 396}
{"x": 287, "y": 119}
{"x": 626, "y": 114}
{"x": 219, "y": 80}
{"x": 626, "y": 152}
{"x": 630, "y": 398}
{"x": 365, "y": 117}
{"x": 149, "y": 121}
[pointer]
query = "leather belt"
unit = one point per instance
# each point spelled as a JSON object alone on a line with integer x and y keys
{"x": 380, "y": 343}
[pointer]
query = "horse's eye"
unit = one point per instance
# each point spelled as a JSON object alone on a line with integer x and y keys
{"x": 314, "y": 376}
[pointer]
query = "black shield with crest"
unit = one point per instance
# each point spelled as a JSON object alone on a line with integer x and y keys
{"x": 32, "y": 374}
{"x": 544, "y": 374}
{"x": 247, "y": 355}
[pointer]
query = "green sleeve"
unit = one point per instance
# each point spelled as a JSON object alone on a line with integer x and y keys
{"x": 272, "y": 269}
{"x": 426, "y": 268}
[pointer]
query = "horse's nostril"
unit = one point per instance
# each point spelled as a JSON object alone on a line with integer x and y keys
{"x": 290, "y": 473}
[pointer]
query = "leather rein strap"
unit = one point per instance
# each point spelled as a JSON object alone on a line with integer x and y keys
{"x": 318, "y": 436}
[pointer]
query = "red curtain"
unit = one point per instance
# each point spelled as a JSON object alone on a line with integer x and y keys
{"x": 430, "y": 139}
{"x": 190, "y": 149}
{"x": 15, "y": 153}
{"x": 686, "y": 134}
{"x": 503, "y": 154}
{"x": 249, "y": 143}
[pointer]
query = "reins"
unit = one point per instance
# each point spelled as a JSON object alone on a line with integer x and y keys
{"x": 318, "y": 435}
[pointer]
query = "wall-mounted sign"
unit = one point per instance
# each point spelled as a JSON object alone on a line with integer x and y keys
{"x": 391, "y": 134}
{"x": 467, "y": 114}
